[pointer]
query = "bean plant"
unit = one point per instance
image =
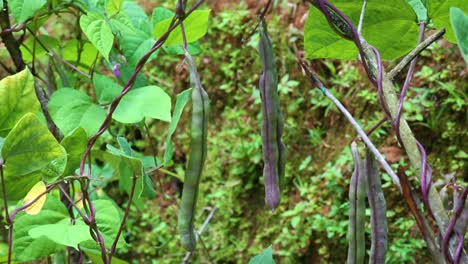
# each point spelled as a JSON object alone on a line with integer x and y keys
{"x": 72, "y": 102}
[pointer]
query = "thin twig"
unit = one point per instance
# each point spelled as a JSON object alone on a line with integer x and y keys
{"x": 124, "y": 219}
{"x": 200, "y": 231}
{"x": 361, "y": 17}
{"x": 350, "y": 118}
{"x": 415, "y": 52}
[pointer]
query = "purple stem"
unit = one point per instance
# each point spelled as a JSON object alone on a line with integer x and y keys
{"x": 449, "y": 231}
{"x": 379, "y": 82}
{"x": 405, "y": 87}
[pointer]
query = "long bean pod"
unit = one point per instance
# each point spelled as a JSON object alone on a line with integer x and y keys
{"x": 378, "y": 211}
{"x": 357, "y": 211}
{"x": 274, "y": 151}
{"x": 198, "y": 149}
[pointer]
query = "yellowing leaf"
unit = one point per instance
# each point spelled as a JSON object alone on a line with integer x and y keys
{"x": 35, "y": 191}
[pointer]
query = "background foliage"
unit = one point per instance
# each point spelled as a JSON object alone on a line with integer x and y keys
{"x": 311, "y": 223}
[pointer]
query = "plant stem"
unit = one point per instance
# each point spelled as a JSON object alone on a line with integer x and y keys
{"x": 353, "y": 122}
{"x": 415, "y": 52}
{"x": 124, "y": 219}
{"x": 200, "y": 231}
{"x": 7, "y": 216}
{"x": 11, "y": 43}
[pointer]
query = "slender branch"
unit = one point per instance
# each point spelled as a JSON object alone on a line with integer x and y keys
{"x": 415, "y": 52}
{"x": 124, "y": 219}
{"x": 11, "y": 43}
{"x": 5, "y": 200}
{"x": 200, "y": 231}
{"x": 73, "y": 203}
{"x": 361, "y": 17}
{"x": 25, "y": 206}
{"x": 356, "y": 126}
{"x": 71, "y": 66}
{"x": 7, "y": 216}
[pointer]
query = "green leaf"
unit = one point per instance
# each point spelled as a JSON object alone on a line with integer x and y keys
{"x": 24, "y": 9}
{"x": 266, "y": 257}
{"x": 127, "y": 166}
{"x": 134, "y": 42}
{"x": 385, "y": 22}
{"x": 149, "y": 101}
{"x": 28, "y": 46}
{"x": 106, "y": 89}
{"x": 75, "y": 144}
{"x": 460, "y": 27}
{"x": 24, "y": 246}
{"x": 30, "y": 152}
{"x": 98, "y": 32}
{"x": 88, "y": 54}
{"x": 181, "y": 101}
{"x": 71, "y": 109}
{"x": 195, "y": 25}
{"x": 134, "y": 36}
{"x": 1, "y": 4}
{"x": 137, "y": 15}
{"x": 108, "y": 218}
{"x": 419, "y": 8}
{"x": 63, "y": 233}
{"x": 159, "y": 14}
{"x": 17, "y": 97}
{"x": 113, "y": 6}
{"x": 439, "y": 13}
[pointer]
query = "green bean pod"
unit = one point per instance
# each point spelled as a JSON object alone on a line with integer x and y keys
{"x": 198, "y": 150}
{"x": 357, "y": 211}
{"x": 274, "y": 151}
{"x": 378, "y": 208}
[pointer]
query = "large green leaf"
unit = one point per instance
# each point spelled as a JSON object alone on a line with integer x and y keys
{"x": 31, "y": 152}
{"x": 195, "y": 25}
{"x": 24, "y": 9}
{"x": 71, "y": 109}
{"x": 24, "y": 246}
{"x": 108, "y": 218}
{"x": 98, "y": 32}
{"x": 149, "y": 101}
{"x": 460, "y": 27}
{"x": 17, "y": 97}
{"x": 439, "y": 13}
{"x": 181, "y": 101}
{"x": 106, "y": 89}
{"x": 266, "y": 257}
{"x": 75, "y": 144}
{"x": 63, "y": 233}
{"x": 389, "y": 25}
